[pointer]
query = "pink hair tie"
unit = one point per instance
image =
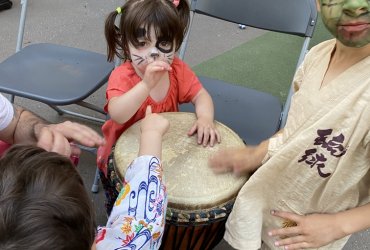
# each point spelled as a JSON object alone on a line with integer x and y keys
{"x": 176, "y": 2}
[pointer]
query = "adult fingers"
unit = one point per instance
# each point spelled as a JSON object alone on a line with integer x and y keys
{"x": 297, "y": 242}
{"x": 45, "y": 139}
{"x": 219, "y": 163}
{"x": 61, "y": 145}
{"x": 285, "y": 231}
{"x": 287, "y": 215}
{"x": 79, "y": 133}
{"x": 53, "y": 141}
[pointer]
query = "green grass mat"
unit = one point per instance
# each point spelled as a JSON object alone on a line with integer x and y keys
{"x": 266, "y": 63}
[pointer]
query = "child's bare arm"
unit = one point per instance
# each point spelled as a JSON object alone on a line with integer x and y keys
{"x": 153, "y": 127}
{"x": 316, "y": 230}
{"x": 123, "y": 107}
{"x": 204, "y": 126}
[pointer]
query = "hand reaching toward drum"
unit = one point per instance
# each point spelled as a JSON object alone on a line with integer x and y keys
{"x": 152, "y": 128}
{"x": 241, "y": 160}
{"x": 204, "y": 125}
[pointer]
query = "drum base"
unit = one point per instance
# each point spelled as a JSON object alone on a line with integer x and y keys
{"x": 192, "y": 237}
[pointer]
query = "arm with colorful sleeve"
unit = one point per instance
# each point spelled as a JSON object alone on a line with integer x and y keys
{"x": 138, "y": 216}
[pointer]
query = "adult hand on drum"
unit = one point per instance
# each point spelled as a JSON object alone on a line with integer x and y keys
{"x": 241, "y": 160}
{"x": 152, "y": 128}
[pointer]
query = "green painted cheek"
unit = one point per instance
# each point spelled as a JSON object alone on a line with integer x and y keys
{"x": 333, "y": 11}
{"x": 354, "y": 4}
{"x": 331, "y": 26}
{"x": 330, "y": 17}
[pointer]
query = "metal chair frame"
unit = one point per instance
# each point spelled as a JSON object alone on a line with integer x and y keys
{"x": 82, "y": 72}
{"x": 284, "y": 16}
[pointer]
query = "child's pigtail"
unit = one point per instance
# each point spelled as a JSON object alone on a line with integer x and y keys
{"x": 184, "y": 13}
{"x": 113, "y": 36}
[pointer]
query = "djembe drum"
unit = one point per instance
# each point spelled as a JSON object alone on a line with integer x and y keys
{"x": 199, "y": 201}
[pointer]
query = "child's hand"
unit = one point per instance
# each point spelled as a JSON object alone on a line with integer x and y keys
{"x": 154, "y": 72}
{"x": 154, "y": 122}
{"x": 206, "y": 132}
{"x": 312, "y": 231}
{"x": 239, "y": 160}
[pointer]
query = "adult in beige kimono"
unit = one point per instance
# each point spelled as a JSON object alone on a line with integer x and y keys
{"x": 311, "y": 188}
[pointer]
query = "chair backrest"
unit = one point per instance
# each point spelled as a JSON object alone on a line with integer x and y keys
{"x": 295, "y": 17}
{"x": 286, "y": 16}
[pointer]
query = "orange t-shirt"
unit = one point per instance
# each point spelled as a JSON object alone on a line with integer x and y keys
{"x": 184, "y": 85}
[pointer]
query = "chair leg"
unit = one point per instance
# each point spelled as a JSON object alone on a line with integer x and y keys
{"x": 95, "y": 185}
{"x": 64, "y": 111}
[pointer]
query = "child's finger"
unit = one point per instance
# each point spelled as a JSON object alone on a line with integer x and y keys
{"x": 200, "y": 135}
{"x": 192, "y": 129}
{"x": 212, "y": 139}
{"x": 148, "y": 110}
{"x": 218, "y": 136}
{"x": 160, "y": 65}
{"x": 206, "y": 136}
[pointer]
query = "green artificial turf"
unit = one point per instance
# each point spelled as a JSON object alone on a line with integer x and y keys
{"x": 266, "y": 63}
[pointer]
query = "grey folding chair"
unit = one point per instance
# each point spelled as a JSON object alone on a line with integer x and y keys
{"x": 54, "y": 74}
{"x": 252, "y": 114}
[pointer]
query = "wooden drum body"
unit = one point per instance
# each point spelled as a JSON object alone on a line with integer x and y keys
{"x": 199, "y": 201}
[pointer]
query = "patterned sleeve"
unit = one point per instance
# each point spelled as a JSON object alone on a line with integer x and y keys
{"x": 138, "y": 216}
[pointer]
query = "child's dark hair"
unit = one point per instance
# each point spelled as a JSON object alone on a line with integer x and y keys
{"x": 43, "y": 202}
{"x": 167, "y": 20}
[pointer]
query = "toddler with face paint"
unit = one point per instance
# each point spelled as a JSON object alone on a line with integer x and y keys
{"x": 149, "y": 34}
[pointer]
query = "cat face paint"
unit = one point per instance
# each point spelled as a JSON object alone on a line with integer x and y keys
{"x": 347, "y": 20}
{"x": 151, "y": 49}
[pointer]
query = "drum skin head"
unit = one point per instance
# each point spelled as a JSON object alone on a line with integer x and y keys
{"x": 191, "y": 183}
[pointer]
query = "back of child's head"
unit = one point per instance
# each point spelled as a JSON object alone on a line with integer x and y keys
{"x": 43, "y": 202}
{"x": 168, "y": 21}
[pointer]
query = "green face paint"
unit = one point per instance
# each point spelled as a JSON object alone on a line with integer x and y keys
{"x": 347, "y": 20}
